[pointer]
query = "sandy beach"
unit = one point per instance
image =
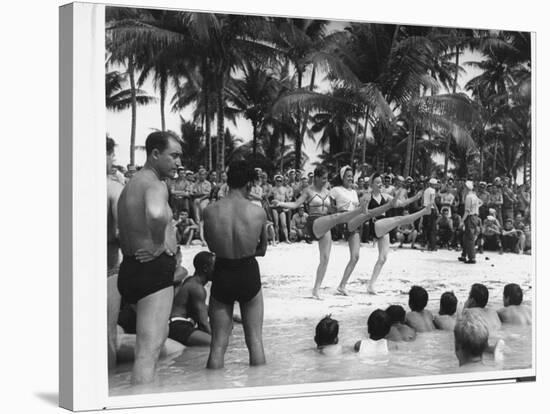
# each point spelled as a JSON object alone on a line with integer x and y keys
{"x": 288, "y": 272}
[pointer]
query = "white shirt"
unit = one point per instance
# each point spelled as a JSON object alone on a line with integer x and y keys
{"x": 428, "y": 197}
{"x": 346, "y": 199}
{"x": 368, "y": 347}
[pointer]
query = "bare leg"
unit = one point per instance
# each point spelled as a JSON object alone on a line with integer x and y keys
{"x": 221, "y": 320}
{"x": 197, "y": 210}
{"x": 282, "y": 220}
{"x": 354, "y": 244}
{"x": 252, "y": 313}
{"x": 153, "y": 312}
{"x": 383, "y": 249}
{"x": 324, "y": 223}
{"x": 113, "y": 306}
{"x": 199, "y": 338}
{"x": 276, "y": 223}
{"x": 385, "y": 225}
{"x": 201, "y": 233}
{"x": 325, "y": 244}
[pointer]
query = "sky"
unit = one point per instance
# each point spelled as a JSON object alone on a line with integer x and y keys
{"x": 148, "y": 117}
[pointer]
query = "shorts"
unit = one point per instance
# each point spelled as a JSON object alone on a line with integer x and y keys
{"x": 137, "y": 280}
{"x": 180, "y": 329}
{"x": 235, "y": 280}
{"x": 309, "y": 226}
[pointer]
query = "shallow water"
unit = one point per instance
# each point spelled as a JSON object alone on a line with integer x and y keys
{"x": 291, "y": 359}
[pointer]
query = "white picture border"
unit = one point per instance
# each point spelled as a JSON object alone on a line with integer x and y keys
{"x": 87, "y": 293}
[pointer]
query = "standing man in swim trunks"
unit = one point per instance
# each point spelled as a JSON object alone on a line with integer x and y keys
{"x": 114, "y": 188}
{"x": 235, "y": 231}
{"x": 148, "y": 243}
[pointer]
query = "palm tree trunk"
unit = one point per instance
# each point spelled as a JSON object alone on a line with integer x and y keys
{"x": 408, "y": 162}
{"x": 364, "y": 143}
{"x": 254, "y": 138}
{"x": 495, "y": 159}
{"x": 134, "y": 110}
{"x": 282, "y": 151}
{"x": 481, "y": 160}
{"x": 354, "y": 141}
{"x": 207, "y": 123}
{"x": 162, "y": 87}
{"x": 221, "y": 122}
{"x": 449, "y": 136}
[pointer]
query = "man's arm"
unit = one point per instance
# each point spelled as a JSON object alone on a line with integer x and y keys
{"x": 262, "y": 245}
{"x": 155, "y": 212}
{"x": 198, "y": 301}
{"x": 114, "y": 189}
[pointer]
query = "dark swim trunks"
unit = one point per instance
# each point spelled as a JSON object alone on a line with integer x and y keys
{"x": 137, "y": 280}
{"x": 235, "y": 280}
{"x": 309, "y": 225}
{"x": 180, "y": 329}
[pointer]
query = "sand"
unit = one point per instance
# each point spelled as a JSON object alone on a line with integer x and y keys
{"x": 288, "y": 273}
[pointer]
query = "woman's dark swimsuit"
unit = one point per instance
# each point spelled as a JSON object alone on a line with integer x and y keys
{"x": 137, "y": 280}
{"x": 372, "y": 205}
{"x": 235, "y": 280}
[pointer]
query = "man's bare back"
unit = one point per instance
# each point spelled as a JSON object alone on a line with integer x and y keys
{"x": 233, "y": 227}
{"x": 420, "y": 321}
{"x": 515, "y": 314}
{"x": 114, "y": 188}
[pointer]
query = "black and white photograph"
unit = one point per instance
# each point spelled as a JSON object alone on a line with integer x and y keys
{"x": 315, "y": 202}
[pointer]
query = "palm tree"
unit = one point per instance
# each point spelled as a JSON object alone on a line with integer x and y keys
{"x": 117, "y": 98}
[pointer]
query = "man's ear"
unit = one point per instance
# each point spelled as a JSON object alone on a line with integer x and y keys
{"x": 155, "y": 153}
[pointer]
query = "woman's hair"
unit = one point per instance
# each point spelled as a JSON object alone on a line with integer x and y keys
{"x": 326, "y": 332}
{"x": 320, "y": 171}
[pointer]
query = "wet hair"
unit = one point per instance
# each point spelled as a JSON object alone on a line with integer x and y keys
{"x": 379, "y": 324}
{"x": 184, "y": 211}
{"x": 320, "y": 171}
{"x": 418, "y": 298}
{"x": 480, "y": 294}
{"x": 447, "y": 304}
{"x": 326, "y": 332}
{"x": 396, "y": 313}
{"x": 110, "y": 145}
{"x": 513, "y": 292}
{"x": 202, "y": 259}
{"x": 239, "y": 174}
{"x": 471, "y": 333}
{"x": 159, "y": 140}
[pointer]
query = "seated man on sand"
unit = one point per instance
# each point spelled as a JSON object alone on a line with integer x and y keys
{"x": 189, "y": 323}
{"x": 513, "y": 311}
{"x": 399, "y": 331}
{"x": 446, "y": 319}
{"x": 418, "y": 318}
{"x": 326, "y": 336}
{"x": 378, "y": 326}
{"x": 477, "y": 302}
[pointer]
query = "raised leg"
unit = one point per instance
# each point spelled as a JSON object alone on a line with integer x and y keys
{"x": 252, "y": 313}
{"x": 153, "y": 312}
{"x": 385, "y": 225}
{"x": 221, "y": 320}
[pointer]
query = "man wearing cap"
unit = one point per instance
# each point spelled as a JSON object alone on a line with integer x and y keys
{"x": 495, "y": 199}
{"x": 484, "y": 196}
{"x": 491, "y": 232}
{"x": 508, "y": 199}
{"x": 471, "y": 223}
{"x": 430, "y": 220}
{"x": 180, "y": 192}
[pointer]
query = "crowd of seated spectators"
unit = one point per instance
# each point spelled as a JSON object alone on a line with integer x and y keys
{"x": 505, "y": 212}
